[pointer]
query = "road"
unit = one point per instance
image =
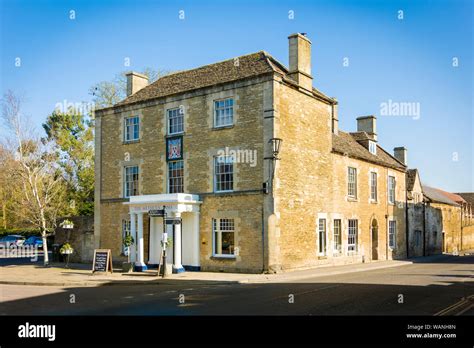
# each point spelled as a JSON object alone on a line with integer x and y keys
{"x": 418, "y": 289}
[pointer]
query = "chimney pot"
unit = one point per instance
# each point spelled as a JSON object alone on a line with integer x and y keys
{"x": 135, "y": 82}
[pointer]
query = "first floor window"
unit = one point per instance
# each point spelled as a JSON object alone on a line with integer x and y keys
{"x": 391, "y": 189}
{"x": 131, "y": 128}
{"x": 352, "y": 235}
{"x": 223, "y": 112}
{"x": 224, "y": 239}
{"x": 131, "y": 181}
{"x": 176, "y": 177}
{"x": 175, "y": 121}
{"x": 125, "y": 231}
{"x": 337, "y": 236}
{"x": 352, "y": 182}
{"x": 373, "y": 186}
{"x": 223, "y": 173}
{"x": 322, "y": 236}
{"x": 392, "y": 230}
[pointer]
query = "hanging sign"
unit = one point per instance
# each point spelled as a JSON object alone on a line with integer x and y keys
{"x": 174, "y": 148}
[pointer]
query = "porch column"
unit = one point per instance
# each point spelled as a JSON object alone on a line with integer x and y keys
{"x": 140, "y": 264}
{"x": 196, "y": 238}
{"x": 177, "y": 266}
{"x": 133, "y": 232}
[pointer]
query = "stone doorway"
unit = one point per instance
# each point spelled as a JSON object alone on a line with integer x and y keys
{"x": 375, "y": 239}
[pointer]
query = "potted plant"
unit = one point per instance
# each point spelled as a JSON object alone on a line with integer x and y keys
{"x": 128, "y": 241}
{"x": 66, "y": 249}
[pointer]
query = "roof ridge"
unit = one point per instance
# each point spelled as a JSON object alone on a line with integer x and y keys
{"x": 207, "y": 65}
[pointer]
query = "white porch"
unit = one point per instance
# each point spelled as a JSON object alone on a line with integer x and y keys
{"x": 184, "y": 251}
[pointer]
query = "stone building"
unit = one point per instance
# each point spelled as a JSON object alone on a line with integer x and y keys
{"x": 247, "y": 160}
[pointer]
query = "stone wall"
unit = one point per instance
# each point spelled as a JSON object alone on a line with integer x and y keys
{"x": 201, "y": 142}
{"x": 81, "y": 238}
{"x": 311, "y": 184}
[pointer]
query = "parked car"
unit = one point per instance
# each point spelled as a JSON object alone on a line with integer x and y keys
{"x": 34, "y": 241}
{"x": 12, "y": 239}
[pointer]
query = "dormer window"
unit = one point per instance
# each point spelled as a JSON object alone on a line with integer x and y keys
{"x": 372, "y": 147}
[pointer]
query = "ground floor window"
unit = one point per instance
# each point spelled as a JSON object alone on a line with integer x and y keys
{"x": 352, "y": 235}
{"x": 392, "y": 230}
{"x": 224, "y": 237}
{"x": 337, "y": 236}
{"x": 322, "y": 236}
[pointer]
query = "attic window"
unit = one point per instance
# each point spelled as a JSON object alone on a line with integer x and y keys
{"x": 372, "y": 147}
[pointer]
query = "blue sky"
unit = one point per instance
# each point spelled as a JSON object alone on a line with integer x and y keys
{"x": 403, "y": 60}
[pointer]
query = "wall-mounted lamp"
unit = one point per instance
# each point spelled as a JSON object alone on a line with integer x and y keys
{"x": 276, "y": 144}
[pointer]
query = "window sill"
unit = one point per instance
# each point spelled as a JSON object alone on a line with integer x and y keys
{"x": 222, "y": 127}
{"x": 223, "y": 257}
{"x": 175, "y": 135}
{"x": 223, "y": 192}
{"x": 322, "y": 257}
{"x": 373, "y": 202}
{"x": 127, "y": 142}
{"x": 352, "y": 199}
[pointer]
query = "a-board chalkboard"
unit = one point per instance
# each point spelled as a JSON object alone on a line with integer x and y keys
{"x": 102, "y": 260}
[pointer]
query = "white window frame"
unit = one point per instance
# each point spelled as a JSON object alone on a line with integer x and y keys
{"x": 391, "y": 190}
{"x": 349, "y": 183}
{"x": 129, "y": 129}
{"x": 350, "y": 228}
{"x": 223, "y": 158}
{"x": 175, "y": 113}
{"x": 337, "y": 237}
{"x": 373, "y": 186}
{"x": 392, "y": 234}
{"x": 126, "y": 194}
{"x": 217, "y": 233}
{"x": 372, "y": 147}
{"x": 175, "y": 178}
{"x": 223, "y": 108}
{"x": 322, "y": 223}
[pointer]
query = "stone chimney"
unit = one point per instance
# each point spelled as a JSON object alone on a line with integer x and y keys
{"x": 335, "y": 118}
{"x": 300, "y": 60}
{"x": 135, "y": 82}
{"x": 368, "y": 124}
{"x": 400, "y": 153}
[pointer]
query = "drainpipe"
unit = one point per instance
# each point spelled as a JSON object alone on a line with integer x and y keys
{"x": 263, "y": 240}
{"x": 406, "y": 223}
{"x": 424, "y": 229}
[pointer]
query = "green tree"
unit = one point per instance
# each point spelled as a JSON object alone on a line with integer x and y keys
{"x": 72, "y": 133}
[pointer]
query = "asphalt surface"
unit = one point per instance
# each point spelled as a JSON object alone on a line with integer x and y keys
{"x": 419, "y": 289}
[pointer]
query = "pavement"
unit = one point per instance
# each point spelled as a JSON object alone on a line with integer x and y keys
{"x": 24, "y": 273}
{"x": 441, "y": 285}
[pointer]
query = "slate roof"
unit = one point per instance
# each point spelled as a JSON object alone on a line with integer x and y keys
{"x": 347, "y": 144}
{"x": 468, "y": 197}
{"x": 250, "y": 65}
{"x": 438, "y": 196}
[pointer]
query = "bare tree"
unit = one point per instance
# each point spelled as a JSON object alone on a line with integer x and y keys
{"x": 38, "y": 188}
